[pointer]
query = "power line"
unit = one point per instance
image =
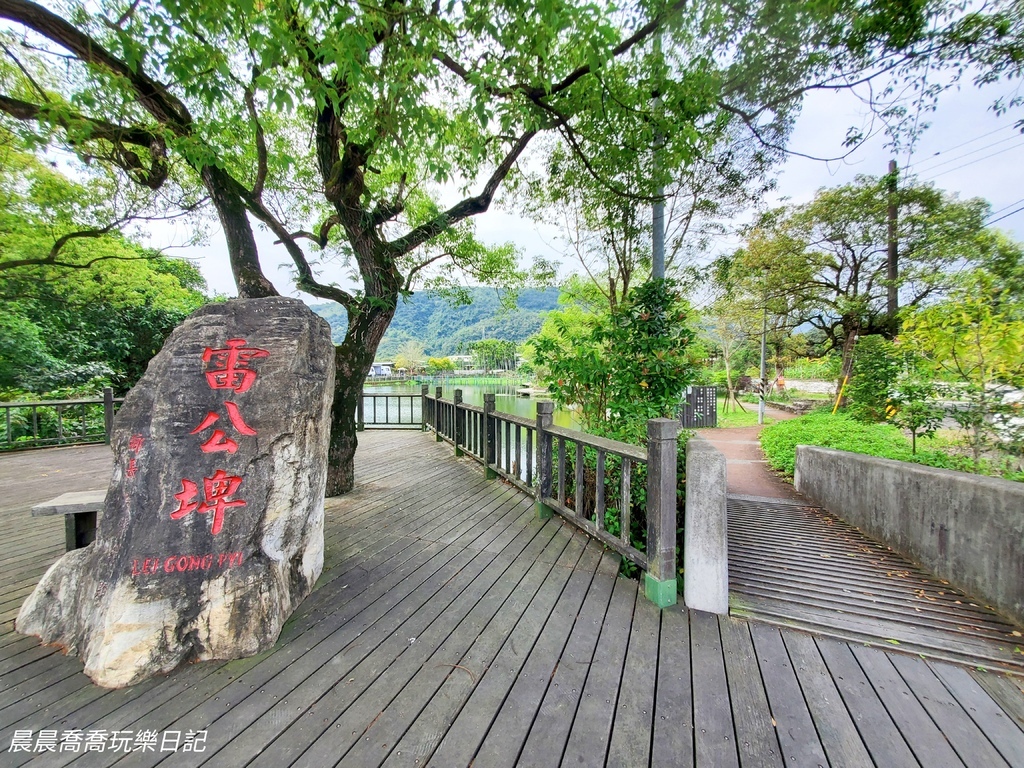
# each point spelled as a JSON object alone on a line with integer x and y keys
{"x": 1000, "y": 210}
{"x": 972, "y": 162}
{"x": 957, "y": 146}
{"x": 1005, "y": 215}
{"x": 968, "y": 154}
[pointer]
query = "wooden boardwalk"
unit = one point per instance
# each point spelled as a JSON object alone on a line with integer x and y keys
{"x": 796, "y": 565}
{"x": 451, "y": 628}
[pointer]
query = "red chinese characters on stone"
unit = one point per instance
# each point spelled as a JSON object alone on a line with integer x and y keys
{"x": 134, "y": 446}
{"x": 217, "y": 492}
{"x": 219, "y": 441}
{"x": 228, "y": 368}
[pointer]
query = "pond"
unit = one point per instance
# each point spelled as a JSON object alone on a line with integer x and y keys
{"x": 505, "y": 398}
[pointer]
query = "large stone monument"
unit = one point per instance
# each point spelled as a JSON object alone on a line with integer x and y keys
{"x": 212, "y": 528}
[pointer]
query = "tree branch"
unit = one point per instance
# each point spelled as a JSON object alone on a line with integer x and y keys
{"x": 329, "y": 223}
{"x": 637, "y": 37}
{"x": 95, "y": 129}
{"x": 153, "y": 96}
{"x": 50, "y": 260}
{"x": 535, "y": 92}
{"x": 419, "y": 267}
{"x": 306, "y": 280}
{"x": 470, "y": 206}
{"x": 261, "y": 143}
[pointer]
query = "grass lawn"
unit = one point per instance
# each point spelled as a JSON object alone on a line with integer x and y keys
{"x": 738, "y": 418}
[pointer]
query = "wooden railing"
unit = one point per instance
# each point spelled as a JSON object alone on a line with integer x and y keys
{"x": 570, "y": 473}
{"x": 47, "y": 423}
{"x": 389, "y": 411}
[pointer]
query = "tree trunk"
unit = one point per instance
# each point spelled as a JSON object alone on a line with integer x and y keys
{"x": 352, "y": 361}
{"x": 242, "y": 251}
{"x": 852, "y": 331}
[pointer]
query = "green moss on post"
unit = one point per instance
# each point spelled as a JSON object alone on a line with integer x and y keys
{"x": 661, "y": 593}
{"x": 544, "y": 512}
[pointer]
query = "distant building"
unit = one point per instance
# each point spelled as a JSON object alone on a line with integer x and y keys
{"x": 381, "y": 369}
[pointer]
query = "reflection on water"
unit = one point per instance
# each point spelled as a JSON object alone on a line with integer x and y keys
{"x": 505, "y": 398}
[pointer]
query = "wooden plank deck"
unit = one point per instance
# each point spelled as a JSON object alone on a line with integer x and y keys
{"x": 450, "y": 628}
{"x": 796, "y": 565}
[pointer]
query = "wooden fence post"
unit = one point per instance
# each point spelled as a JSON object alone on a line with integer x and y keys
{"x": 545, "y": 418}
{"x": 460, "y": 423}
{"x": 438, "y": 413}
{"x": 108, "y": 415}
{"x": 490, "y": 438}
{"x": 660, "y": 579}
{"x": 424, "y": 391}
{"x": 360, "y": 415}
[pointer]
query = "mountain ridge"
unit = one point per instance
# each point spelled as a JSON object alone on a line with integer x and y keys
{"x": 443, "y": 329}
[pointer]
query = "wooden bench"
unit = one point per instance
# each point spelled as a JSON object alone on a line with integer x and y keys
{"x": 80, "y": 510}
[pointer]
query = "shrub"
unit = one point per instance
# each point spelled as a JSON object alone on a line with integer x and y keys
{"x": 824, "y": 368}
{"x": 875, "y": 369}
{"x": 845, "y": 433}
{"x": 839, "y": 431}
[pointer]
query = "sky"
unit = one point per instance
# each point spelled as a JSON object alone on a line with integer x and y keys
{"x": 968, "y": 150}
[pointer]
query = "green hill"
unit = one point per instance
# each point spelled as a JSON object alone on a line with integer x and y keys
{"x": 447, "y": 330}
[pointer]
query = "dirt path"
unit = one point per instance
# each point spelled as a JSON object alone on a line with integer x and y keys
{"x": 747, "y": 471}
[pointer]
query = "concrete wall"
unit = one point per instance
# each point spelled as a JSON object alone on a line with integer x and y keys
{"x": 705, "y": 530}
{"x": 969, "y": 530}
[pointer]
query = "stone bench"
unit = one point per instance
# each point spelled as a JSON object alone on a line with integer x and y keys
{"x": 80, "y": 510}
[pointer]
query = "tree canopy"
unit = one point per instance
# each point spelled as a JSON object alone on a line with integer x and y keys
{"x": 825, "y": 263}
{"x": 59, "y": 335}
{"x": 330, "y": 124}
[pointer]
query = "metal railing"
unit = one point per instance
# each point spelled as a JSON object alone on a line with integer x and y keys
{"x": 47, "y": 423}
{"x": 584, "y": 478}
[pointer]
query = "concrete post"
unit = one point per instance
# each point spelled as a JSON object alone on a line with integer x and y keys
{"x": 705, "y": 537}
{"x": 460, "y": 423}
{"x": 424, "y": 391}
{"x": 660, "y": 579}
{"x": 490, "y": 438}
{"x": 545, "y": 418}
{"x": 438, "y": 414}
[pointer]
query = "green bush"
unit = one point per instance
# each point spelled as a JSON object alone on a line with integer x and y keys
{"x": 875, "y": 369}
{"x": 842, "y": 432}
{"x": 845, "y": 433}
{"x": 824, "y": 368}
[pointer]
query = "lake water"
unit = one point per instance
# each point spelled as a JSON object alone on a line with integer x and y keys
{"x": 505, "y": 398}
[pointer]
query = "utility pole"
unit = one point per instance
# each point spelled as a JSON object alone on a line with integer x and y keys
{"x": 764, "y": 354}
{"x": 658, "y": 235}
{"x": 892, "y": 271}
{"x": 658, "y": 212}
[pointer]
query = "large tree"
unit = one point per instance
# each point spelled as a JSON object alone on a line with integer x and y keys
{"x": 327, "y": 123}
{"x": 824, "y": 263}
{"x": 973, "y": 343}
{"x": 84, "y": 305}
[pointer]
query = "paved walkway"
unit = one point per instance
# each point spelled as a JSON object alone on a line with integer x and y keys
{"x": 748, "y": 474}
